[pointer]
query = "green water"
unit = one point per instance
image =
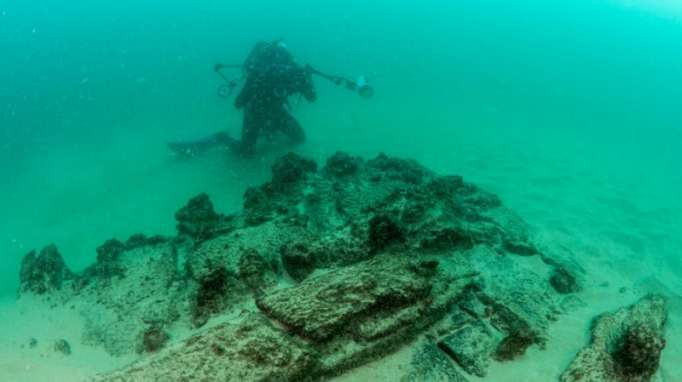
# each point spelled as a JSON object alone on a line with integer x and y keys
{"x": 569, "y": 110}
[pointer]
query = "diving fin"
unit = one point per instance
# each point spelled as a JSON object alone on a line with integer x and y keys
{"x": 191, "y": 149}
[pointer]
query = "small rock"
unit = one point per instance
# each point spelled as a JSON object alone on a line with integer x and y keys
{"x": 563, "y": 281}
{"x": 153, "y": 339}
{"x": 197, "y": 219}
{"x": 62, "y": 346}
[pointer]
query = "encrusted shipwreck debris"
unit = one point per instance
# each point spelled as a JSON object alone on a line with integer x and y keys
{"x": 625, "y": 345}
{"x": 321, "y": 272}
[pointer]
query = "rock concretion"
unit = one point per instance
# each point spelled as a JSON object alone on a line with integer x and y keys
{"x": 625, "y": 345}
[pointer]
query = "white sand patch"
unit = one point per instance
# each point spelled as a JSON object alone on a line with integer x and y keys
{"x": 25, "y": 320}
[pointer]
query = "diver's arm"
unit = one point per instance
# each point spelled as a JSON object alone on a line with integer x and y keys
{"x": 245, "y": 94}
{"x": 306, "y": 86}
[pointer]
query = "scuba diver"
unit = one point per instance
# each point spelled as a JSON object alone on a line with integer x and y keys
{"x": 271, "y": 76}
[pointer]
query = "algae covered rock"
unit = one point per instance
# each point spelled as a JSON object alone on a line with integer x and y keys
{"x": 382, "y": 232}
{"x": 110, "y": 250}
{"x": 290, "y": 169}
{"x": 564, "y": 281}
{"x": 108, "y": 264}
{"x": 43, "y": 272}
{"x": 342, "y": 164}
{"x": 256, "y": 272}
{"x": 197, "y": 219}
{"x": 404, "y": 170}
{"x": 153, "y": 339}
{"x": 211, "y": 297}
{"x": 298, "y": 260}
{"x": 625, "y": 346}
{"x": 639, "y": 352}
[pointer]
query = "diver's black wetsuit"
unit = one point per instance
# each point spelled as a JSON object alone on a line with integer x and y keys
{"x": 271, "y": 77}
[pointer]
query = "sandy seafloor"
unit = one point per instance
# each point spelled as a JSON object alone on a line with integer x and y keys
{"x": 612, "y": 202}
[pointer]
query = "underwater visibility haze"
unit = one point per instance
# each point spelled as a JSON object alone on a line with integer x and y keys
{"x": 567, "y": 113}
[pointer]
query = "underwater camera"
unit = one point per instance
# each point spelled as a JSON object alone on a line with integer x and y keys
{"x": 363, "y": 88}
{"x": 225, "y": 90}
{"x": 360, "y": 86}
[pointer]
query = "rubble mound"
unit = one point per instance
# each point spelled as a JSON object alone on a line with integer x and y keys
{"x": 322, "y": 271}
